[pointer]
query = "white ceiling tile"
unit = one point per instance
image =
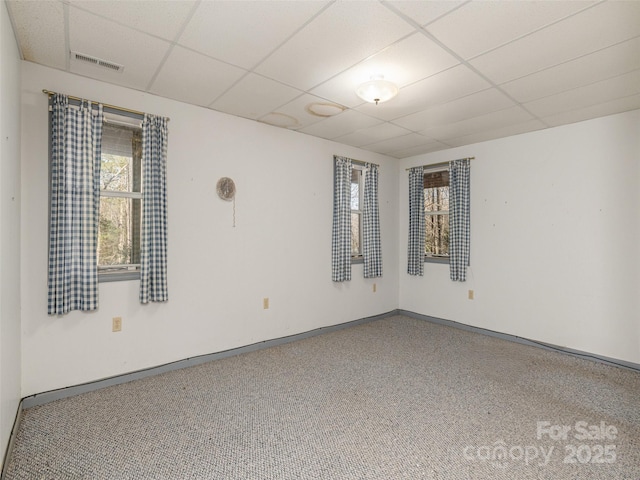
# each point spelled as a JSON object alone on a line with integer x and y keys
{"x": 601, "y": 26}
{"x": 140, "y": 53}
{"x": 254, "y": 96}
{"x": 505, "y": 131}
{"x": 405, "y": 62}
{"x": 373, "y": 134}
{"x": 419, "y": 150}
{"x": 487, "y": 25}
{"x": 424, "y": 12}
{"x": 618, "y": 105}
{"x": 487, "y": 122}
{"x": 397, "y": 143}
{"x": 346, "y": 122}
{"x": 599, "y": 92}
{"x": 212, "y": 80}
{"x": 157, "y": 17}
{"x": 563, "y": 60}
{"x": 473, "y": 105}
{"x": 441, "y": 88}
{"x": 243, "y": 33}
{"x": 606, "y": 63}
{"x": 341, "y": 36}
{"x": 297, "y": 109}
{"x": 39, "y": 29}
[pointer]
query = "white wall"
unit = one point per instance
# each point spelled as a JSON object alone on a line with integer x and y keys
{"x": 218, "y": 275}
{"x": 555, "y": 238}
{"x": 9, "y": 228}
{"x": 555, "y": 235}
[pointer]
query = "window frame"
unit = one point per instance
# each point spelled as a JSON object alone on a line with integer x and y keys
{"x": 122, "y": 272}
{"x": 429, "y": 258}
{"x": 359, "y": 258}
{"x": 113, "y": 115}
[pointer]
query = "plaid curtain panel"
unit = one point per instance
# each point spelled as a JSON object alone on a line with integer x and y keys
{"x": 341, "y": 232}
{"x": 76, "y": 135}
{"x": 371, "y": 248}
{"x": 153, "y": 248}
{"x": 415, "y": 261}
{"x": 459, "y": 219}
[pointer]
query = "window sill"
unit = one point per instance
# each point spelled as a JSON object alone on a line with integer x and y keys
{"x": 356, "y": 260}
{"x": 443, "y": 260}
{"x": 118, "y": 276}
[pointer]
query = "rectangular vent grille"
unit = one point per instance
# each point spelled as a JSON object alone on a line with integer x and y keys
{"x": 83, "y": 57}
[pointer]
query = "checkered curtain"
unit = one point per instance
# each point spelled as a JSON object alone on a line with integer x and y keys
{"x": 371, "y": 248}
{"x": 153, "y": 248}
{"x": 341, "y": 232}
{"x": 76, "y": 138}
{"x": 415, "y": 264}
{"x": 459, "y": 219}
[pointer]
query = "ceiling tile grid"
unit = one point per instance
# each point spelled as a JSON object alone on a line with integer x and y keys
{"x": 92, "y": 35}
{"x": 405, "y": 62}
{"x": 348, "y": 121}
{"x": 508, "y": 21}
{"x": 377, "y": 133}
{"x": 340, "y": 37}
{"x": 606, "y": 63}
{"x": 213, "y": 77}
{"x": 244, "y": 33}
{"x": 161, "y": 18}
{"x": 467, "y": 71}
{"x": 395, "y": 144}
{"x": 588, "y": 31}
{"x": 247, "y": 98}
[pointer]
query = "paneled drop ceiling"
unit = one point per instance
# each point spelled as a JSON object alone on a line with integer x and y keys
{"x": 467, "y": 71}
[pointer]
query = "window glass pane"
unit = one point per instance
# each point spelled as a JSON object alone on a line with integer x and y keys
{"x": 116, "y": 173}
{"x": 437, "y": 235}
{"x": 355, "y": 189}
{"x": 436, "y": 179}
{"x": 119, "y": 231}
{"x": 120, "y": 161}
{"x": 355, "y": 234}
{"x": 116, "y": 139}
{"x": 436, "y": 199}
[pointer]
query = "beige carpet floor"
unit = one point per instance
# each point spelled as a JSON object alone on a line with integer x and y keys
{"x": 397, "y": 398}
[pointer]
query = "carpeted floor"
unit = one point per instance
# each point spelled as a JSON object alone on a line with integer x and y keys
{"x": 391, "y": 399}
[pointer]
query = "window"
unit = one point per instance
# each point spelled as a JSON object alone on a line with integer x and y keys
{"x": 107, "y": 203}
{"x": 357, "y": 205}
{"x": 120, "y": 202}
{"x": 436, "y": 209}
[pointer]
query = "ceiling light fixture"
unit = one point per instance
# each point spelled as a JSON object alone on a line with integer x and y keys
{"x": 377, "y": 90}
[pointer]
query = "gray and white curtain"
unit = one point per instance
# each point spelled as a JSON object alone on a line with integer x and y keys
{"x": 75, "y": 206}
{"x": 153, "y": 248}
{"x": 415, "y": 261}
{"x": 459, "y": 219}
{"x": 341, "y": 231}
{"x": 371, "y": 247}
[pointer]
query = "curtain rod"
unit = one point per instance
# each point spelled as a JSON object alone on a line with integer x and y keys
{"x": 441, "y": 164}
{"x": 363, "y": 164}
{"x": 358, "y": 162}
{"x": 105, "y": 105}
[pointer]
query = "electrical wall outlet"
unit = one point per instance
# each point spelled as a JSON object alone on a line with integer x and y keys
{"x": 116, "y": 325}
{"x": 265, "y": 303}
{"x": 375, "y": 288}
{"x": 470, "y": 294}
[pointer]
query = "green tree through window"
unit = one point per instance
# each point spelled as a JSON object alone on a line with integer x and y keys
{"x": 120, "y": 199}
{"x": 436, "y": 206}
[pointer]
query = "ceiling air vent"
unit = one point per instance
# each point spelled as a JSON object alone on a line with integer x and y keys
{"x": 98, "y": 62}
